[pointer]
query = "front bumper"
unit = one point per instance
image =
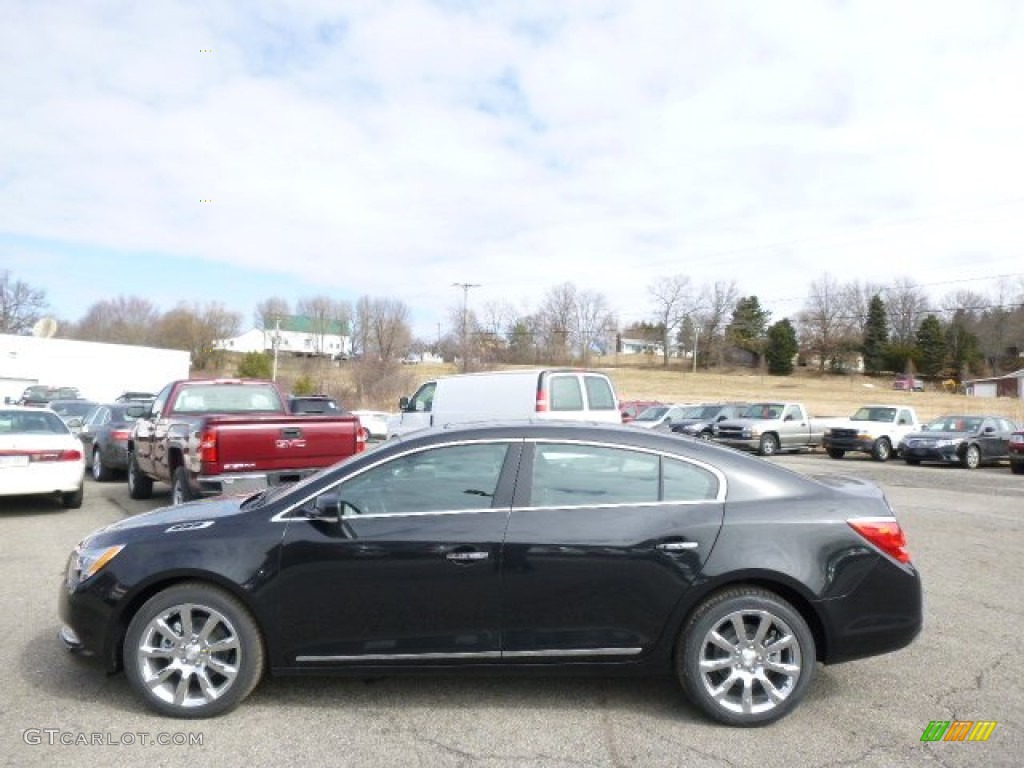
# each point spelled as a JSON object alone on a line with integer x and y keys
{"x": 848, "y": 444}
{"x": 949, "y": 454}
{"x": 742, "y": 443}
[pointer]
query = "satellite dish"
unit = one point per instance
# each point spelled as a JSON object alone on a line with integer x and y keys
{"x": 44, "y": 328}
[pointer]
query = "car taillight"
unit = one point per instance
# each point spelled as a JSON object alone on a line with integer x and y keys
{"x": 208, "y": 447}
{"x": 71, "y": 455}
{"x": 360, "y": 439}
{"x": 120, "y": 434}
{"x": 885, "y": 533}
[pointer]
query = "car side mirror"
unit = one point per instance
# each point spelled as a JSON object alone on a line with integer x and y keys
{"x": 75, "y": 423}
{"x": 989, "y": 430}
{"x": 403, "y": 403}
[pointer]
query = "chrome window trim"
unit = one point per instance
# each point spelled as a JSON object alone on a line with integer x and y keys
{"x": 282, "y": 517}
{"x": 542, "y": 654}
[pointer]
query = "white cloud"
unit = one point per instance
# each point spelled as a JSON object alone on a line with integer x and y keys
{"x": 392, "y": 148}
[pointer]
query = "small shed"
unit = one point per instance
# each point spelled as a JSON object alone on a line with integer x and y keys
{"x": 1008, "y": 385}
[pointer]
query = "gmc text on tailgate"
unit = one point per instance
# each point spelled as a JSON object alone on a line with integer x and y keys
{"x": 208, "y": 437}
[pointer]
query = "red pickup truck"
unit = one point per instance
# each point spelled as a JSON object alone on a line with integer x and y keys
{"x": 229, "y": 436}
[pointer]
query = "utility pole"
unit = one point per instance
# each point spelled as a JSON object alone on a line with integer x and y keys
{"x": 465, "y": 311}
{"x": 276, "y": 341}
{"x": 696, "y": 336}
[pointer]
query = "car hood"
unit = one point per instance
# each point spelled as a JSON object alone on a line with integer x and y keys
{"x": 939, "y": 435}
{"x": 193, "y": 512}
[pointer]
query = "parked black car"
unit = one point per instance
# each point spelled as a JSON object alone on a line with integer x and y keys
{"x": 549, "y": 546}
{"x": 699, "y": 420}
{"x": 969, "y": 441}
{"x": 104, "y": 437}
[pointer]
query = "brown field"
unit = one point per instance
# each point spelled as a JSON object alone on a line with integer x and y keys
{"x": 824, "y": 395}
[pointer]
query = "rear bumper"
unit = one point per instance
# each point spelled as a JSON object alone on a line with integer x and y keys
{"x": 248, "y": 482}
{"x": 883, "y": 614}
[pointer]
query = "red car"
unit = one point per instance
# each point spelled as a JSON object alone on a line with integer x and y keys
{"x": 630, "y": 409}
{"x": 1016, "y": 448}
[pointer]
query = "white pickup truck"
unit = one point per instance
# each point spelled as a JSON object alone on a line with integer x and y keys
{"x": 771, "y": 427}
{"x": 874, "y": 429}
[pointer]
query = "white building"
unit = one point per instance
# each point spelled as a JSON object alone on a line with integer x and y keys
{"x": 100, "y": 371}
{"x": 297, "y": 335}
{"x": 1010, "y": 385}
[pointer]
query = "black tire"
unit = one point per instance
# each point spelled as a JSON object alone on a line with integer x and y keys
{"x": 100, "y": 472}
{"x": 140, "y": 486}
{"x": 72, "y": 500}
{"x": 1018, "y": 468}
{"x": 882, "y": 449}
{"x": 181, "y": 491}
{"x": 836, "y": 453}
{"x": 768, "y": 446}
{"x": 913, "y": 462}
{"x": 972, "y": 457}
{"x": 231, "y": 643}
{"x": 705, "y": 435}
{"x": 765, "y": 618}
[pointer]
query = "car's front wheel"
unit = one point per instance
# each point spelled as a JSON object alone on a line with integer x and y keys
{"x": 882, "y": 449}
{"x": 768, "y": 446}
{"x": 972, "y": 457}
{"x": 836, "y": 453}
{"x": 193, "y": 651}
{"x": 745, "y": 656}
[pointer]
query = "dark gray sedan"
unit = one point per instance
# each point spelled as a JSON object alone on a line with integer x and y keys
{"x": 967, "y": 440}
{"x": 104, "y": 437}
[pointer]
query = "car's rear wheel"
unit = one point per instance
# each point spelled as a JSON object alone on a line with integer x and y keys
{"x": 140, "y": 486}
{"x": 972, "y": 457}
{"x": 745, "y": 657}
{"x": 882, "y": 449}
{"x": 768, "y": 446}
{"x": 100, "y": 472}
{"x": 72, "y": 500}
{"x": 1017, "y": 469}
{"x": 836, "y": 453}
{"x": 193, "y": 651}
{"x": 181, "y": 490}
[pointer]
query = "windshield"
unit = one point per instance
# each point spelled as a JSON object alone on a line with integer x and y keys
{"x": 653, "y": 413}
{"x": 874, "y": 414}
{"x": 954, "y": 424}
{"x": 763, "y": 411}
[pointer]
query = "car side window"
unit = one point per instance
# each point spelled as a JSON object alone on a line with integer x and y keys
{"x": 161, "y": 401}
{"x": 423, "y": 400}
{"x": 683, "y": 481}
{"x": 566, "y": 394}
{"x": 599, "y": 393}
{"x": 449, "y": 478}
{"x": 572, "y": 475}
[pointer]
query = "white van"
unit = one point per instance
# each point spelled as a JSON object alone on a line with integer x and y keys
{"x": 543, "y": 393}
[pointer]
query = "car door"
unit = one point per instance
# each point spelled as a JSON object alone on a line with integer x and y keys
{"x": 145, "y": 432}
{"x": 92, "y": 429}
{"x": 794, "y": 429}
{"x": 410, "y": 571}
{"x": 602, "y": 543}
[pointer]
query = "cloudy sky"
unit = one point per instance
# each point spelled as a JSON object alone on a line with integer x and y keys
{"x": 233, "y": 151}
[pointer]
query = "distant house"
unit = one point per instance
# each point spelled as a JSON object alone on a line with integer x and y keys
{"x": 638, "y": 347}
{"x": 1009, "y": 385}
{"x": 297, "y": 335}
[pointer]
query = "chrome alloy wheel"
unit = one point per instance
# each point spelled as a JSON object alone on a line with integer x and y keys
{"x": 189, "y": 655}
{"x": 750, "y": 662}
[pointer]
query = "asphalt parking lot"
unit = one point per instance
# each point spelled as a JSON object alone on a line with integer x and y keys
{"x": 965, "y": 532}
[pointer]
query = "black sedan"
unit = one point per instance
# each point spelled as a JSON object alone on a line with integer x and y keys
{"x": 546, "y": 546}
{"x": 699, "y": 420}
{"x": 969, "y": 441}
{"x": 104, "y": 437}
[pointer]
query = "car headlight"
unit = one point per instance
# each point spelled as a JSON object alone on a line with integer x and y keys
{"x": 866, "y": 436}
{"x": 753, "y": 432}
{"x": 86, "y": 562}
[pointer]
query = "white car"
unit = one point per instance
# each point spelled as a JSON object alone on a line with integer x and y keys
{"x": 40, "y": 456}
{"x": 375, "y": 423}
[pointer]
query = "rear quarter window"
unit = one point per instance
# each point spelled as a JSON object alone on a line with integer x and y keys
{"x": 599, "y": 393}
{"x": 566, "y": 394}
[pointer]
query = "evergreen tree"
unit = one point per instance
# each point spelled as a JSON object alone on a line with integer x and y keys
{"x": 781, "y": 347}
{"x": 876, "y": 336}
{"x": 748, "y": 326}
{"x": 931, "y": 343}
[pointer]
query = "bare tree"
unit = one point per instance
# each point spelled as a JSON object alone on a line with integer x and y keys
{"x": 21, "y": 305}
{"x": 718, "y": 301}
{"x": 320, "y": 311}
{"x": 592, "y": 319}
{"x": 672, "y": 302}
{"x": 387, "y": 333}
{"x": 195, "y": 327}
{"x": 269, "y": 314}
{"x": 122, "y": 320}
{"x": 557, "y": 317}
{"x": 906, "y": 303}
{"x": 824, "y": 324}
{"x": 856, "y": 300}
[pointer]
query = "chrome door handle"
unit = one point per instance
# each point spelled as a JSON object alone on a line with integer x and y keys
{"x": 677, "y": 546}
{"x": 467, "y": 557}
